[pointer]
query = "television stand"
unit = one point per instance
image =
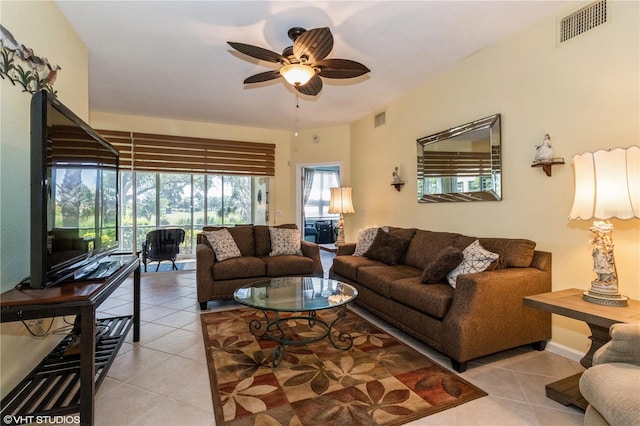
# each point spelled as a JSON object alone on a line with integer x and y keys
{"x": 61, "y": 384}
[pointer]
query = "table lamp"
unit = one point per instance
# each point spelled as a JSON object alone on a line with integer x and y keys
{"x": 607, "y": 185}
{"x": 341, "y": 203}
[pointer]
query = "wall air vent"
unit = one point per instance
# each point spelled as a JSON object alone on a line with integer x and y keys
{"x": 379, "y": 119}
{"x": 583, "y": 20}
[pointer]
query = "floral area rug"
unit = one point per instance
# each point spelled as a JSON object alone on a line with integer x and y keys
{"x": 379, "y": 380}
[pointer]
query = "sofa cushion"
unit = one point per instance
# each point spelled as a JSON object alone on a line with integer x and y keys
{"x": 425, "y": 245}
{"x": 243, "y": 236}
{"x": 514, "y": 252}
{"x": 406, "y": 233}
{"x": 387, "y": 248}
{"x": 262, "y": 237}
{"x": 432, "y": 299}
{"x": 347, "y": 266}
{"x": 379, "y": 278}
{"x": 443, "y": 263}
{"x": 365, "y": 238}
{"x": 475, "y": 259}
{"x": 284, "y": 242}
{"x": 288, "y": 265}
{"x": 222, "y": 244}
{"x": 239, "y": 267}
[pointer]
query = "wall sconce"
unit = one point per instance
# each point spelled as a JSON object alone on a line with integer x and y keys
{"x": 607, "y": 184}
{"x": 397, "y": 182}
{"x": 544, "y": 156}
{"x": 341, "y": 203}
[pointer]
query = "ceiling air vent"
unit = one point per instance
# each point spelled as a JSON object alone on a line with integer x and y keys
{"x": 379, "y": 119}
{"x": 583, "y": 20}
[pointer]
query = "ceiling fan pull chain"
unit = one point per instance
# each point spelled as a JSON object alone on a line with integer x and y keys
{"x": 295, "y": 130}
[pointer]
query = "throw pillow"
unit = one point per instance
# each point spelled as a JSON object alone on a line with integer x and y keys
{"x": 387, "y": 248}
{"x": 284, "y": 241}
{"x": 444, "y": 262}
{"x": 475, "y": 259}
{"x": 365, "y": 238}
{"x": 223, "y": 244}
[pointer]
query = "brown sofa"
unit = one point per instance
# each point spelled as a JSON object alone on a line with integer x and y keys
{"x": 482, "y": 315}
{"x": 217, "y": 280}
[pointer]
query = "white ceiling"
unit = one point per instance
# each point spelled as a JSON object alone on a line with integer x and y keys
{"x": 170, "y": 59}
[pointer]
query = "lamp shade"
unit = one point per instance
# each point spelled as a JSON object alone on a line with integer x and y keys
{"x": 297, "y": 74}
{"x": 341, "y": 200}
{"x": 607, "y": 184}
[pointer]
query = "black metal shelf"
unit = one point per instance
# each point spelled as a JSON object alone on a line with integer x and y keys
{"x": 53, "y": 387}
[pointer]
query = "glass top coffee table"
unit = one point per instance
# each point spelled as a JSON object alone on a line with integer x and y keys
{"x": 303, "y": 297}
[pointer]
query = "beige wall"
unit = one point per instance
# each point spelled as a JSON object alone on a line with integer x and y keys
{"x": 331, "y": 145}
{"x": 322, "y": 146}
{"x": 42, "y": 27}
{"x": 585, "y": 94}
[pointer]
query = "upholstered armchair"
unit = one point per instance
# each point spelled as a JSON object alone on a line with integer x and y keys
{"x": 612, "y": 384}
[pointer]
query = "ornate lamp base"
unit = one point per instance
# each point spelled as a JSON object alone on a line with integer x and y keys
{"x": 604, "y": 289}
{"x": 340, "y": 225}
{"x": 605, "y": 299}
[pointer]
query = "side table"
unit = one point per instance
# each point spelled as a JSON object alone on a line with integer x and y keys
{"x": 599, "y": 318}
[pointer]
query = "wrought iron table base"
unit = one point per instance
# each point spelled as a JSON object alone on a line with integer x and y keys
{"x": 342, "y": 341}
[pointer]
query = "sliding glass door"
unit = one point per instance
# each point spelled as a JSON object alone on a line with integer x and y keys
{"x": 188, "y": 201}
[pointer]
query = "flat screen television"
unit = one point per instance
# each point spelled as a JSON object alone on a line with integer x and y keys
{"x": 74, "y": 194}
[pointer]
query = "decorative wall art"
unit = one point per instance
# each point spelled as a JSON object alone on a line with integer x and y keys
{"x": 34, "y": 73}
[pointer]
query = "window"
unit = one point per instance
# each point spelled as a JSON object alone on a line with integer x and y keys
{"x": 186, "y": 182}
{"x": 317, "y": 205}
{"x": 187, "y": 201}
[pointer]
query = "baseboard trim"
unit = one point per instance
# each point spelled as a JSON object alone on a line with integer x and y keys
{"x": 564, "y": 351}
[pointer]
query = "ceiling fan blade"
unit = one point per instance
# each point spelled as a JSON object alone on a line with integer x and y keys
{"x": 314, "y": 44}
{"x": 258, "y": 52}
{"x": 341, "y": 68}
{"x": 312, "y": 88}
{"x": 263, "y": 76}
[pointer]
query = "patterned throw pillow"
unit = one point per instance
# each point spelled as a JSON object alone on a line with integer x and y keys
{"x": 475, "y": 259}
{"x": 365, "y": 238}
{"x": 223, "y": 244}
{"x": 284, "y": 241}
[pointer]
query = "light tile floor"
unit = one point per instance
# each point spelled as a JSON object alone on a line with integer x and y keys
{"x": 163, "y": 380}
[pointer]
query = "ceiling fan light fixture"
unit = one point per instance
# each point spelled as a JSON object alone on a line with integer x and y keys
{"x": 297, "y": 74}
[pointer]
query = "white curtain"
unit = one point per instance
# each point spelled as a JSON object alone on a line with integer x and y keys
{"x": 307, "y": 183}
{"x": 337, "y": 173}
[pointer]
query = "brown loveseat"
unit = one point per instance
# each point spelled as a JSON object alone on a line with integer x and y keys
{"x": 217, "y": 280}
{"x": 482, "y": 315}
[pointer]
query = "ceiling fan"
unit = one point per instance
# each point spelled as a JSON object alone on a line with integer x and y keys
{"x": 304, "y": 63}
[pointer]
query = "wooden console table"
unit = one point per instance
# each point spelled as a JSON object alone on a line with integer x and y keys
{"x": 599, "y": 318}
{"x": 65, "y": 385}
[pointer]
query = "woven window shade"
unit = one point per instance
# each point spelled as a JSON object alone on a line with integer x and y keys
{"x": 122, "y": 142}
{"x": 144, "y": 152}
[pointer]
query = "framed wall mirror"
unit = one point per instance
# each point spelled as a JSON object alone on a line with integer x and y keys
{"x": 461, "y": 164}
